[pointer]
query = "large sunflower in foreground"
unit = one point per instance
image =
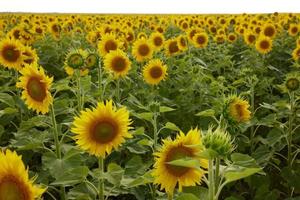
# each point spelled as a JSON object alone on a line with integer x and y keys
{"x": 263, "y": 44}
{"x": 117, "y": 62}
{"x": 142, "y": 50}
{"x": 11, "y": 53}
{"x": 14, "y": 181}
{"x": 101, "y": 129}
{"x": 36, "y": 86}
{"x": 184, "y": 146}
{"x": 154, "y": 72}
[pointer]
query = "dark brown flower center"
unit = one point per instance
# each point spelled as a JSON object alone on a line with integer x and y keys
{"x": 201, "y": 39}
{"x": 36, "y": 89}
{"x": 158, "y": 41}
{"x": 118, "y": 64}
{"x": 176, "y": 153}
{"x": 156, "y": 72}
{"x": 144, "y": 50}
{"x": 173, "y": 47}
{"x": 110, "y": 45}
{"x": 104, "y": 131}
{"x": 264, "y": 44}
{"x": 10, "y": 53}
{"x": 11, "y": 189}
{"x": 269, "y": 31}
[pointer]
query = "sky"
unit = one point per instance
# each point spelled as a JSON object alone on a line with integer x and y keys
{"x": 151, "y": 6}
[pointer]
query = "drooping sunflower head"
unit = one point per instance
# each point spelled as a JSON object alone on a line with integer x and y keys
{"x": 263, "y": 45}
{"x": 101, "y": 129}
{"x": 200, "y": 40}
{"x": 292, "y": 82}
{"x": 11, "y": 53}
{"x": 142, "y": 50}
{"x": 91, "y": 60}
{"x": 296, "y": 53}
{"x": 237, "y": 109}
{"x": 157, "y": 39}
{"x": 35, "y": 85}
{"x": 117, "y": 62}
{"x": 154, "y": 72}
{"x": 184, "y": 146}
{"x": 75, "y": 60}
{"x": 108, "y": 43}
{"x": 14, "y": 181}
{"x": 171, "y": 47}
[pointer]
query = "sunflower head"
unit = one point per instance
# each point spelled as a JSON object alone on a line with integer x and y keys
{"x": 109, "y": 42}
{"x": 117, "y": 62}
{"x": 14, "y": 181}
{"x": 75, "y": 60}
{"x": 35, "y": 85}
{"x": 292, "y": 82}
{"x": 99, "y": 130}
{"x": 263, "y": 44}
{"x": 92, "y": 60}
{"x": 231, "y": 37}
{"x": 237, "y": 109}
{"x": 182, "y": 42}
{"x": 30, "y": 56}
{"x": 200, "y": 40}
{"x": 157, "y": 39}
{"x": 142, "y": 49}
{"x": 11, "y": 53}
{"x": 172, "y": 47}
{"x": 269, "y": 30}
{"x": 154, "y": 72}
{"x": 167, "y": 174}
{"x": 218, "y": 141}
{"x": 296, "y": 53}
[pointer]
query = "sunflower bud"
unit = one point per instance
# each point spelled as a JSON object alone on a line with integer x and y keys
{"x": 219, "y": 141}
{"x": 92, "y": 60}
{"x": 75, "y": 60}
{"x": 292, "y": 84}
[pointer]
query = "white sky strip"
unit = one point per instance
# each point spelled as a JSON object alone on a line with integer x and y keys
{"x": 151, "y": 6}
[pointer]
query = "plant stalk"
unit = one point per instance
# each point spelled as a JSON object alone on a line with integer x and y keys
{"x": 101, "y": 180}
{"x": 211, "y": 178}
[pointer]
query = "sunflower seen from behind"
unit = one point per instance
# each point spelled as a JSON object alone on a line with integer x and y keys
{"x": 101, "y": 129}
{"x": 11, "y": 53}
{"x": 117, "y": 63}
{"x": 154, "y": 72}
{"x": 184, "y": 146}
{"x": 35, "y": 85}
{"x": 15, "y": 183}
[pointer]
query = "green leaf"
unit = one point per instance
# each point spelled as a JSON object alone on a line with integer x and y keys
{"x": 61, "y": 85}
{"x": 188, "y": 196}
{"x": 114, "y": 173}
{"x": 72, "y": 176}
{"x": 171, "y": 126}
{"x": 206, "y": 113}
{"x": 165, "y": 109}
{"x": 139, "y": 131}
{"x": 141, "y": 180}
{"x": 185, "y": 162}
{"x": 198, "y": 191}
{"x": 145, "y": 115}
{"x": 8, "y": 111}
{"x": 243, "y": 160}
{"x": 1, "y": 130}
{"x": 236, "y": 172}
{"x": 7, "y": 99}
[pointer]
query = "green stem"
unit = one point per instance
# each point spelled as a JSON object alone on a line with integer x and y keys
{"x": 290, "y": 128}
{"x": 101, "y": 180}
{"x": 79, "y": 91}
{"x": 217, "y": 174}
{"x": 252, "y": 112}
{"x": 155, "y": 133}
{"x": 170, "y": 196}
{"x": 211, "y": 187}
{"x": 118, "y": 91}
{"x": 57, "y": 145}
{"x": 100, "y": 80}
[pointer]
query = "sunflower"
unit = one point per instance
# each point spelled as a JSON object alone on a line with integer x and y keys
{"x": 269, "y": 30}
{"x": 101, "y": 129}
{"x": 231, "y": 37}
{"x": 249, "y": 38}
{"x": 292, "y": 82}
{"x": 35, "y": 85}
{"x": 157, "y": 39}
{"x": 171, "y": 47}
{"x": 263, "y": 44}
{"x": 14, "y": 181}
{"x": 11, "y": 53}
{"x": 142, "y": 50}
{"x": 75, "y": 60}
{"x": 293, "y": 29}
{"x": 200, "y": 40}
{"x": 92, "y": 60}
{"x": 117, "y": 62}
{"x": 184, "y": 146}
{"x": 296, "y": 53}
{"x": 108, "y": 43}
{"x": 238, "y": 109}
{"x": 30, "y": 56}
{"x": 154, "y": 72}
{"x": 182, "y": 42}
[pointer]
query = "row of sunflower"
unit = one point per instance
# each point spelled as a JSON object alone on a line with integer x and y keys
{"x": 155, "y": 65}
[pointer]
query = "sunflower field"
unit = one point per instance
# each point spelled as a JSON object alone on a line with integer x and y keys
{"x": 149, "y": 107}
